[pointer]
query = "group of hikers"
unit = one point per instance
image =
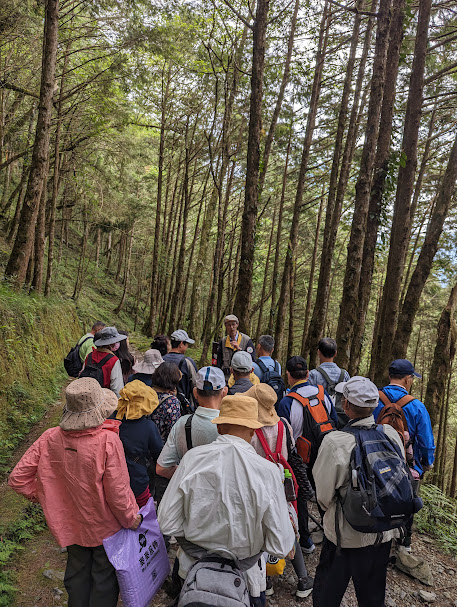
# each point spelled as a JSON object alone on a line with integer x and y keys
{"x": 239, "y": 458}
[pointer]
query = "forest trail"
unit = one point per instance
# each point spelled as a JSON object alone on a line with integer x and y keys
{"x": 40, "y": 565}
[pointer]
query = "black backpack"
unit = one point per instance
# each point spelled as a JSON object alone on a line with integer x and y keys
{"x": 381, "y": 494}
{"x": 273, "y": 378}
{"x": 335, "y": 396}
{"x": 72, "y": 361}
{"x": 95, "y": 370}
{"x": 184, "y": 392}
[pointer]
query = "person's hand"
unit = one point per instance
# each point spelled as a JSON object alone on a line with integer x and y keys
{"x": 235, "y": 345}
{"x": 137, "y": 523}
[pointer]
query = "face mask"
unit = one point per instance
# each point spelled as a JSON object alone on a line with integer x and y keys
{"x": 115, "y": 347}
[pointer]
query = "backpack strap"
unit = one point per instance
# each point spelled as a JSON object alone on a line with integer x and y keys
{"x": 401, "y": 402}
{"x": 325, "y": 376}
{"x": 263, "y": 441}
{"x": 262, "y": 366}
{"x": 404, "y": 400}
{"x": 280, "y": 437}
{"x": 188, "y": 430}
{"x": 84, "y": 340}
{"x": 343, "y": 371}
{"x": 104, "y": 360}
{"x": 325, "y": 423}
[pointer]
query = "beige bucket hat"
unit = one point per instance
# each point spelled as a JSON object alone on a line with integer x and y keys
{"x": 152, "y": 360}
{"x": 240, "y": 410}
{"x": 87, "y": 404}
{"x": 266, "y": 398}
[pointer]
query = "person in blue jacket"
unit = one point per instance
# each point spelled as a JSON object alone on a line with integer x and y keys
{"x": 401, "y": 377}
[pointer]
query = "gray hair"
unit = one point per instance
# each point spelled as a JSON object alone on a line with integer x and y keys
{"x": 267, "y": 343}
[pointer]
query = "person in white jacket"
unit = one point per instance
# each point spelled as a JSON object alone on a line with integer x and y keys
{"x": 224, "y": 496}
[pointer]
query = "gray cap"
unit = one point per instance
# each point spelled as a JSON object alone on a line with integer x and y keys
{"x": 241, "y": 361}
{"x": 108, "y": 336}
{"x": 210, "y": 379}
{"x": 181, "y": 335}
{"x": 359, "y": 391}
{"x": 231, "y": 318}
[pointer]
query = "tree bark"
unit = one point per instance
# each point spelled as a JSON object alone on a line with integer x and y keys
{"x": 40, "y": 237}
{"x": 312, "y": 269}
{"x": 17, "y": 263}
{"x": 279, "y": 100}
{"x": 381, "y": 168}
{"x": 156, "y": 257}
{"x": 401, "y": 221}
{"x": 127, "y": 273}
{"x": 426, "y": 256}
{"x": 443, "y": 356}
{"x": 293, "y": 237}
{"x": 452, "y": 491}
{"x": 332, "y": 217}
{"x": 243, "y": 296}
{"x": 349, "y": 301}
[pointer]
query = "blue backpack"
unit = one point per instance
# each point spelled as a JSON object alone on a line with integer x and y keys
{"x": 381, "y": 493}
{"x": 273, "y": 378}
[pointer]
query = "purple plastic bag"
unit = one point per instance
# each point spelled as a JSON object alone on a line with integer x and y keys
{"x": 140, "y": 559}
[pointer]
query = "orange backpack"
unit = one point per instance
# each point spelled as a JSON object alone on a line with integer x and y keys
{"x": 316, "y": 423}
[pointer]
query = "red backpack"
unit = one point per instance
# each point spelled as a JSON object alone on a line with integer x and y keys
{"x": 277, "y": 457}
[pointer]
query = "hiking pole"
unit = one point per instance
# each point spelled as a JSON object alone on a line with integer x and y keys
{"x": 315, "y": 521}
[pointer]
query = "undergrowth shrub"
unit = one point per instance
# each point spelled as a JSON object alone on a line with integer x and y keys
{"x": 438, "y": 517}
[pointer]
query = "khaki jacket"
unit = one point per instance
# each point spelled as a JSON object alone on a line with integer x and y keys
{"x": 331, "y": 472}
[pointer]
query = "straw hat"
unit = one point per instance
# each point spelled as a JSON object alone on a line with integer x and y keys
{"x": 239, "y": 410}
{"x": 137, "y": 399}
{"x": 266, "y": 398}
{"x": 152, "y": 360}
{"x": 87, "y": 404}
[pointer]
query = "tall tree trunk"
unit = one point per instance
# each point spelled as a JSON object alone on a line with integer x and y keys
{"x": 349, "y": 301}
{"x": 293, "y": 237}
{"x": 452, "y": 490}
{"x": 56, "y": 176}
{"x": 290, "y": 338}
{"x": 40, "y": 237}
{"x": 275, "y": 275}
{"x": 156, "y": 257}
{"x": 127, "y": 272}
{"x": 309, "y": 295}
{"x": 82, "y": 257}
{"x": 17, "y": 263}
{"x": 381, "y": 168}
{"x": 266, "y": 275}
{"x": 337, "y": 191}
{"x": 401, "y": 221}
{"x": 443, "y": 356}
{"x": 243, "y": 296}
{"x": 442, "y": 469}
{"x": 426, "y": 256}
{"x": 279, "y": 100}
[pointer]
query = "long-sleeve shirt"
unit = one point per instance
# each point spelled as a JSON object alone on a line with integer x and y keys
{"x": 223, "y": 495}
{"x": 81, "y": 481}
{"x": 419, "y": 426}
{"x": 333, "y": 371}
{"x": 331, "y": 474}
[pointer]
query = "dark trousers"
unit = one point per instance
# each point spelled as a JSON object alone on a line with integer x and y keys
{"x": 90, "y": 579}
{"x": 366, "y": 566}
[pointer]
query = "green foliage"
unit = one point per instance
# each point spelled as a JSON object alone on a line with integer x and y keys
{"x": 438, "y": 517}
{"x": 31, "y": 522}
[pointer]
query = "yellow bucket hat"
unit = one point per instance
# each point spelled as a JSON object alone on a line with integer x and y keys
{"x": 136, "y": 399}
{"x": 240, "y": 410}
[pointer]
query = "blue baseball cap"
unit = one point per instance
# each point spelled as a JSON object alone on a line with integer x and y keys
{"x": 402, "y": 366}
{"x": 210, "y": 379}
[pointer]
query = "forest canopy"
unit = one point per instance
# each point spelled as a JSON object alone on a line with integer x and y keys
{"x": 293, "y": 162}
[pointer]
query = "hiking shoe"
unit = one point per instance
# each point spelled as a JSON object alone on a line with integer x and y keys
{"x": 304, "y": 587}
{"x": 404, "y": 549}
{"x": 269, "y": 589}
{"x": 308, "y": 546}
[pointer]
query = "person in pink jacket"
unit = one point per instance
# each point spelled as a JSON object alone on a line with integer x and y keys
{"x": 77, "y": 472}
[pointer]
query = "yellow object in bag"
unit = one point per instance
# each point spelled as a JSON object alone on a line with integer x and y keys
{"x": 275, "y": 565}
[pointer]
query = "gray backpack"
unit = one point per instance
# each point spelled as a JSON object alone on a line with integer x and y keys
{"x": 215, "y": 580}
{"x": 336, "y": 398}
